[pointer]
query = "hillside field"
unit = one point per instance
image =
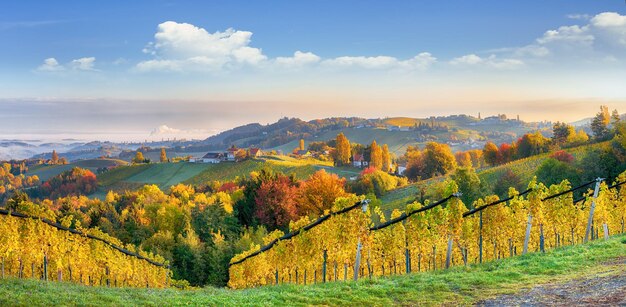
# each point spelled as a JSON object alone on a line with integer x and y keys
{"x": 45, "y": 172}
{"x": 458, "y": 285}
{"x": 165, "y": 175}
{"x": 524, "y": 168}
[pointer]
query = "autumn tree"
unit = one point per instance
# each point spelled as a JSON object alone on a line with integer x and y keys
{"x": 276, "y": 202}
{"x": 490, "y": 152}
{"x": 301, "y": 144}
{"x": 463, "y": 159}
{"x": 414, "y": 163}
{"x": 55, "y": 157}
{"x": 532, "y": 144}
{"x": 376, "y": 156}
{"x": 319, "y": 192}
{"x": 343, "y": 150}
{"x": 139, "y": 157}
{"x": 438, "y": 159}
{"x": 478, "y": 160}
{"x": 386, "y": 159}
{"x": 163, "y": 155}
{"x": 600, "y": 124}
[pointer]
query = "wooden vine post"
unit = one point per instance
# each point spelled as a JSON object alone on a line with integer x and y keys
{"x": 593, "y": 207}
{"x": 480, "y": 237}
{"x": 357, "y": 262}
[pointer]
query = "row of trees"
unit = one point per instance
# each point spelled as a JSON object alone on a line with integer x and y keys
{"x": 603, "y": 126}
{"x": 375, "y": 155}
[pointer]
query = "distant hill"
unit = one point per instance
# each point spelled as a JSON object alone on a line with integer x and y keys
{"x": 461, "y": 132}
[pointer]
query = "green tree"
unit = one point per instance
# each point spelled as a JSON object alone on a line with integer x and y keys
{"x": 600, "y": 124}
{"x": 553, "y": 171}
{"x": 469, "y": 184}
{"x": 376, "y": 156}
{"x": 562, "y": 133}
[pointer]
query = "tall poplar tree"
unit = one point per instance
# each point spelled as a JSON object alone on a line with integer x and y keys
{"x": 163, "y": 155}
{"x": 386, "y": 159}
{"x": 376, "y": 156}
{"x": 343, "y": 150}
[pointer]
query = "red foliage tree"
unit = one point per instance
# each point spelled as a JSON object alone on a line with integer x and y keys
{"x": 562, "y": 156}
{"x": 276, "y": 202}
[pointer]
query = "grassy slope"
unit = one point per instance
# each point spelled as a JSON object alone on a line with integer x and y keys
{"x": 459, "y": 285}
{"x": 301, "y": 168}
{"x": 524, "y": 168}
{"x": 45, "y": 172}
{"x": 167, "y": 174}
{"x": 163, "y": 175}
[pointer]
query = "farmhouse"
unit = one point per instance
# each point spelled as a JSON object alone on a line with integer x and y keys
{"x": 213, "y": 157}
{"x": 359, "y": 161}
{"x": 255, "y": 152}
{"x": 231, "y": 153}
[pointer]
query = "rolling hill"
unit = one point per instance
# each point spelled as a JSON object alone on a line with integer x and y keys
{"x": 165, "y": 175}
{"x": 524, "y": 168}
{"x": 45, "y": 172}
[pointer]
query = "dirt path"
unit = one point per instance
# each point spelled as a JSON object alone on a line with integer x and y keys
{"x": 605, "y": 289}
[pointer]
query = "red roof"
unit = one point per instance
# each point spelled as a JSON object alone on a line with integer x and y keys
{"x": 254, "y": 151}
{"x": 357, "y": 158}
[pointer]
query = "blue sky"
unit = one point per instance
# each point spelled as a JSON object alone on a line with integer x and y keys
{"x": 136, "y": 65}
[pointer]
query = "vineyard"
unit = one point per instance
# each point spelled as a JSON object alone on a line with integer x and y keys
{"x": 39, "y": 248}
{"x": 346, "y": 245}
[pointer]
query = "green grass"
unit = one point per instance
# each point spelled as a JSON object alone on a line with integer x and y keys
{"x": 165, "y": 175}
{"x": 301, "y": 169}
{"x": 457, "y": 286}
{"x": 45, "y": 172}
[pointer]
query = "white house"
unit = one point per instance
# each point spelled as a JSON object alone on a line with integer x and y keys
{"x": 359, "y": 161}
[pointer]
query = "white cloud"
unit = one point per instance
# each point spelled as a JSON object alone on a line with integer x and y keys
{"x": 610, "y": 29}
{"x": 473, "y": 60}
{"x": 83, "y": 63}
{"x": 50, "y": 65}
{"x": 531, "y": 50}
{"x": 579, "y": 16}
{"x": 165, "y": 131}
{"x": 183, "y": 46}
{"x": 470, "y": 59}
{"x": 609, "y": 19}
{"x": 421, "y": 61}
{"x": 377, "y": 62}
{"x": 298, "y": 59}
{"x": 568, "y": 35}
{"x": 600, "y": 39}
